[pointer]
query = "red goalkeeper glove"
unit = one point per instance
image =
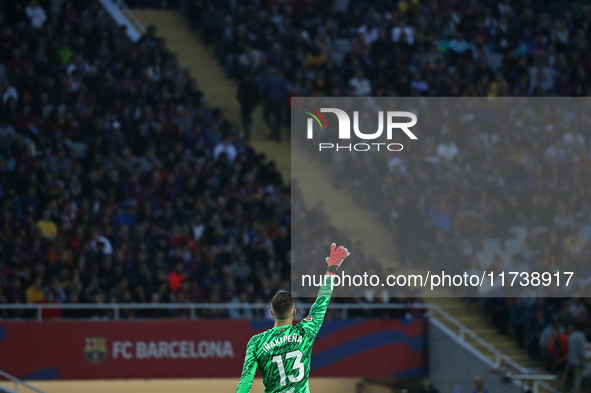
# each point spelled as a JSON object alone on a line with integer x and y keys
{"x": 337, "y": 256}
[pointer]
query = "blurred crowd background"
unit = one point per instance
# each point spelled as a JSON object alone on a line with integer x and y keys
{"x": 514, "y": 196}
{"x": 119, "y": 183}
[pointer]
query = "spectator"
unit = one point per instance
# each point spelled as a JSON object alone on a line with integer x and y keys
{"x": 240, "y": 269}
{"x": 36, "y": 14}
{"x": 59, "y": 164}
{"x": 7, "y": 133}
{"x": 535, "y": 329}
{"x": 35, "y": 291}
{"x": 176, "y": 277}
{"x": 360, "y": 86}
{"x": 8, "y": 92}
{"x": 275, "y": 92}
{"x": 248, "y": 96}
{"x": 225, "y": 147}
{"x": 100, "y": 243}
{"x": 441, "y": 217}
{"x": 369, "y": 33}
{"x": 316, "y": 57}
{"x": 248, "y": 61}
{"x": 57, "y": 291}
{"x": 479, "y": 385}
{"x": 155, "y": 70}
{"x": 551, "y": 328}
{"x": 575, "y": 363}
{"x": 557, "y": 350}
{"x": 402, "y": 32}
{"x": 447, "y": 150}
{"x": 459, "y": 45}
{"x": 78, "y": 66}
{"x": 150, "y": 38}
{"x": 427, "y": 386}
{"x": 419, "y": 84}
{"x": 46, "y": 225}
{"x": 50, "y": 313}
{"x": 519, "y": 314}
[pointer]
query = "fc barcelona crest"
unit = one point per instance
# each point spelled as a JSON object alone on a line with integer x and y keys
{"x": 95, "y": 350}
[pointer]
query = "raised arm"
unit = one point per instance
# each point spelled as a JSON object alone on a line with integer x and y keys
{"x": 250, "y": 367}
{"x": 313, "y": 321}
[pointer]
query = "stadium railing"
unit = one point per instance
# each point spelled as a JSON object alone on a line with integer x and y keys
{"x": 17, "y": 383}
{"x": 154, "y": 4}
{"x": 193, "y": 307}
{"x": 123, "y": 15}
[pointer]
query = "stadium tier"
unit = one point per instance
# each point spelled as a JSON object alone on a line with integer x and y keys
{"x": 120, "y": 183}
{"x": 506, "y": 200}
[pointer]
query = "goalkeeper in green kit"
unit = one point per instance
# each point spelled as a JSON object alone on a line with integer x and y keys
{"x": 283, "y": 353}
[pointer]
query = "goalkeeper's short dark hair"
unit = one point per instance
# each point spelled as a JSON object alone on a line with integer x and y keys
{"x": 282, "y": 304}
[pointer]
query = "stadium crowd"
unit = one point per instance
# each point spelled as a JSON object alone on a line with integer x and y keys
{"x": 118, "y": 183}
{"x": 441, "y": 49}
{"x": 414, "y": 48}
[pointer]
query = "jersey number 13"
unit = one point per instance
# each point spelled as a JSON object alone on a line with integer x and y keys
{"x": 297, "y": 365}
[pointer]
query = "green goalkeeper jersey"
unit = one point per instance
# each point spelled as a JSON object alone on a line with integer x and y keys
{"x": 283, "y": 353}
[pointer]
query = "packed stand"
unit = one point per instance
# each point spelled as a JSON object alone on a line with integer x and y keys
{"x": 118, "y": 183}
{"x": 413, "y": 48}
{"x": 438, "y": 49}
